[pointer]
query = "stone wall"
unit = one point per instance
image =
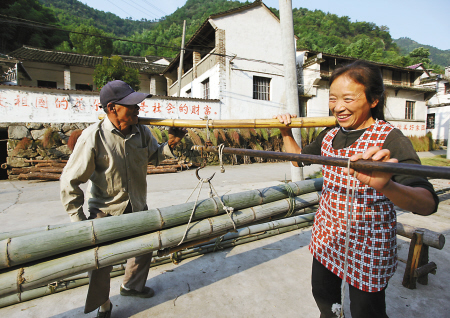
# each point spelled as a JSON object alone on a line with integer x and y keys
{"x": 43, "y": 141}
{"x": 38, "y": 141}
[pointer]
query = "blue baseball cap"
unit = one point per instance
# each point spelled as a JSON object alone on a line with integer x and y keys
{"x": 121, "y": 93}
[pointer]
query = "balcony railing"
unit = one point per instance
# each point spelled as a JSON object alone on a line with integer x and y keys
{"x": 203, "y": 66}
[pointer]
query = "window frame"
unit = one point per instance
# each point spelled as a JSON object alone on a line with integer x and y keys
{"x": 432, "y": 117}
{"x": 409, "y": 109}
{"x": 205, "y": 87}
{"x": 261, "y": 88}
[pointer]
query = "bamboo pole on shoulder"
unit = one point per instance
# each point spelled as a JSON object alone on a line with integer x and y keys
{"x": 301, "y": 122}
{"x": 29, "y": 277}
{"x": 41, "y": 244}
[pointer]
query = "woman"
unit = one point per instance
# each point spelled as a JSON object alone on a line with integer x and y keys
{"x": 357, "y": 99}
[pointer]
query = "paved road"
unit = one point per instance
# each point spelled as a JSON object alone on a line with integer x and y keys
{"x": 266, "y": 278}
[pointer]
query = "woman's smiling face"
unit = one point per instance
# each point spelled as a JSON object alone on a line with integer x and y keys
{"x": 349, "y": 104}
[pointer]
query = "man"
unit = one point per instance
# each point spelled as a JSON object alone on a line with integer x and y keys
{"x": 114, "y": 155}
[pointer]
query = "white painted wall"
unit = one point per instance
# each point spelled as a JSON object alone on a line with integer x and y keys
{"x": 253, "y": 34}
{"x": 28, "y": 104}
{"x": 441, "y": 122}
{"x": 439, "y": 105}
{"x": 440, "y": 97}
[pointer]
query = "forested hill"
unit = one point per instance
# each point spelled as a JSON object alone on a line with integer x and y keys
{"x": 316, "y": 30}
{"x": 72, "y": 13}
{"x": 441, "y": 57}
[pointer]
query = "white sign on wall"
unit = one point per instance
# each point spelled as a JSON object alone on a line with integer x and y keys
{"x": 35, "y": 106}
{"x": 410, "y": 128}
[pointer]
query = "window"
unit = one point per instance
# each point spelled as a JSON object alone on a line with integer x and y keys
{"x": 261, "y": 88}
{"x": 83, "y": 87}
{"x": 205, "y": 84}
{"x": 409, "y": 110}
{"x": 447, "y": 88}
{"x": 430, "y": 121}
{"x": 47, "y": 84}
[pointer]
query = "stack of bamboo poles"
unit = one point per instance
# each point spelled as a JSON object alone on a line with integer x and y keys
{"x": 41, "y": 170}
{"x": 170, "y": 166}
{"x": 242, "y": 236}
{"x": 35, "y": 258}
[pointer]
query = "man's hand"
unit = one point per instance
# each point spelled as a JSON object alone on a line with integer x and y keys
{"x": 175, "y": 135}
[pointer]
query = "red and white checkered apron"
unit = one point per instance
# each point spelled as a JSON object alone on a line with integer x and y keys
{"x": 372, "y": 254}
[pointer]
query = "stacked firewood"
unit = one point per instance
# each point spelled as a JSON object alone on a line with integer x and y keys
{"x": 40, "y": 170}
{"x": 170, "y": 166}
{"x": 52, "y": 169}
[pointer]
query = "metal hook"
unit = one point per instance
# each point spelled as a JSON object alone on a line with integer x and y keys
{"x": 204, "y": 180}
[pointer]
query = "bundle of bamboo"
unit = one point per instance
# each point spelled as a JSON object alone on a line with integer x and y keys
{"x": 36, "y": 244}
{"x": 242, "y": 236}
{"x": 63, "y": 265}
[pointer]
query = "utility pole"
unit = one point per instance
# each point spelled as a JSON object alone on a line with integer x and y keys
{"x": 290, "y": 72}
{"x": 180, "y": 67}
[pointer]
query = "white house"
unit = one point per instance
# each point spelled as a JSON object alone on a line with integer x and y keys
{"x": 438, "y": 113}
{"x": 406, "y": 99}
{"x": 73, "y": 71}
{"x": 236, "y": 57}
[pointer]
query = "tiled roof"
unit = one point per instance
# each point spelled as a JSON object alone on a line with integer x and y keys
{"x": 349, "y": 58}
{"x": 415, "y": 66}
{"x": 28, "y": 53}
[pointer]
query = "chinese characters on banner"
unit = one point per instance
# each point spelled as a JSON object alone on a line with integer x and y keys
{"x": 23, "y": 105}
{"x": 411, "y": 128}
{"x": 178, "y": 109}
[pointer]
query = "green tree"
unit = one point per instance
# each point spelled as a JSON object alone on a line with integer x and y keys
{"x": 114, "y": 69}
{"x": 14, "y": 36}
{"x": 91, "y": 45}
{"x": 420, "y": 55}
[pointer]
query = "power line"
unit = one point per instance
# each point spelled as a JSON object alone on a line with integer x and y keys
{"x": 150, "y": 4}
{"x": 119, "y": 7}
{"x": 140, "y": 8}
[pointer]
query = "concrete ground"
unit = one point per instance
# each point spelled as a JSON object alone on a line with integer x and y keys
{"x": 266, "y": 278}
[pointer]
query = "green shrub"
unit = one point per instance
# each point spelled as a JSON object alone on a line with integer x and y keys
{"x": 265, "y": 133}
{"x": 274, "y": 132}
{"x": 166, "y": 134}
{"x": 157, "y": 134}
{"x": 424, "y": 143}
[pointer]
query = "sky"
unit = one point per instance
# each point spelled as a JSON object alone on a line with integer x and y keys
{"x": 425, "y": 22}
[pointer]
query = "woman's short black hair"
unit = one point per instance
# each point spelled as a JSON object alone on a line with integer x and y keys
{"x": 370, "y": 76}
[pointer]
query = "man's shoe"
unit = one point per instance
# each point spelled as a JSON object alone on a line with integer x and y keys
{"x": 147, "y": 292}
{"x": 105, "y": 314}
